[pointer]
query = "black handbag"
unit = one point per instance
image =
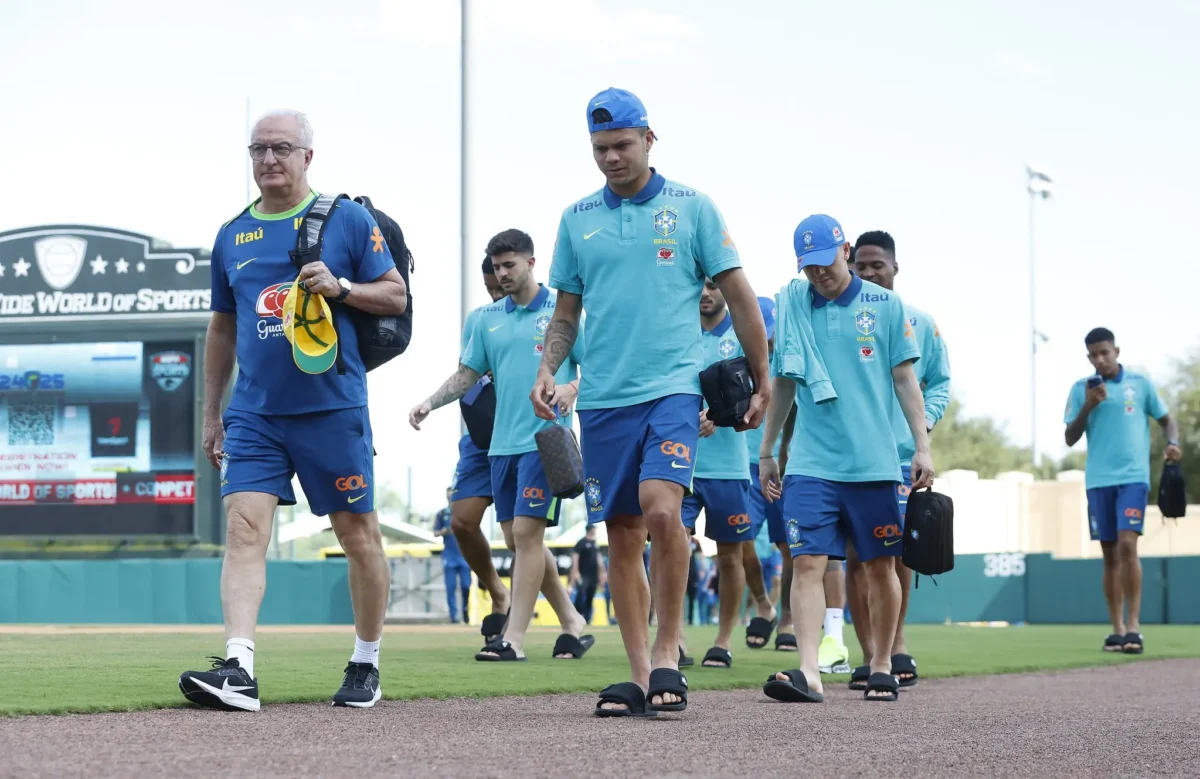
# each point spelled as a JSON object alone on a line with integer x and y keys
{"x": 478, "y": 408}
{"x": 929, "y": 533}
{"x": 562, "y": 462}
{"x": 727, "y": 390}
{"x": 1172, "y": 491}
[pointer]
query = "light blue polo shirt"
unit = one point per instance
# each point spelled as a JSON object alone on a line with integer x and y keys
{"x": 507, "y": 339}
{"x": 723, "y": 454}
{"x": 933, "y": 372}
{"x": 640, "y": 264}
{"x": 1118, "y": 430}
{"x": 861, "y": 336}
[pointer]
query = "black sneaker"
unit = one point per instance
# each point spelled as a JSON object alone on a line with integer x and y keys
{"x": 227, "y": 686}
{"x": 360, "y": 687}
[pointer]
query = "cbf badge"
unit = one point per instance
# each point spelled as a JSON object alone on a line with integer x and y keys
{"x": 726, "y": 348}
{"x": 864, "y": 321}
{"x": 665, "y": 221}
{"x": 540, "y": 324}
{"x": 793, "y": 532}
{"x": 591, "y": 490}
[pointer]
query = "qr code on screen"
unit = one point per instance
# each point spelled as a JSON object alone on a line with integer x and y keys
{"x": 31, "y": 424}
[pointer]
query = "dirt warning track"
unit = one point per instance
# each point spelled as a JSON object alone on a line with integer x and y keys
{"x": 1139, "y": 719}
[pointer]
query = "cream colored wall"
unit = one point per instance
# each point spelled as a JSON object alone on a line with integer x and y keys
{"x": 1014, "y": 513}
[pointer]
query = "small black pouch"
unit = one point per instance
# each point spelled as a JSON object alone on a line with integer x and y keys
{"x": 727, "y": 389}
{"x": 929, "y": 533}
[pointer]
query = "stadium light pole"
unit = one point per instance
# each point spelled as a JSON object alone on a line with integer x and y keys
{"x": 1038, "y": 185}
{"x": 463, "y": 191}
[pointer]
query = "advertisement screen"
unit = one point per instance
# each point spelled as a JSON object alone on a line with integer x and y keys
{"x": 97, "y": 438}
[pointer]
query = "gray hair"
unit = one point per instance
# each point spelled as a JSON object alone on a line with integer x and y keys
{"x": 306, "y": 130}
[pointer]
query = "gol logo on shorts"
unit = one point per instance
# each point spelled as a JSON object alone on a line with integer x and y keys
{"x": 739, "y": 520}
{"x": 1133, "y": 513}
{"x": 533, "y": 492}
{"x": 347, "y": 483}
{"x": 887, "y": 531}
{"x": 672, "y": 449}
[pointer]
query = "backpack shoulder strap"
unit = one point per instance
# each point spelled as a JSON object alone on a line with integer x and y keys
{"x": 312, "y": 228}
{"x": 240, "y": 213}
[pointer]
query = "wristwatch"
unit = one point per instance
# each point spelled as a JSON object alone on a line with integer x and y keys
{"x": 345, "y": 285}
{"x": 1172, "y": 443}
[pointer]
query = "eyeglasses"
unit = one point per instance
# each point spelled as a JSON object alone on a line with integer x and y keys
{"x": 281, "y": 150}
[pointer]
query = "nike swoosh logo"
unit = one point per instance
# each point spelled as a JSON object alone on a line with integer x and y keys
{"x": 241, "y": 265}
{"x": 360, "y": 497}
{"x": 589, "y": 235}
{"x": 677, "y": 465}
{"x": 494, "y": 329}
{"x": 742, "y": 529}
{"x": 893, "y": 542}
{"x": 535, "y": 505}
{"x": 227, "y": 688}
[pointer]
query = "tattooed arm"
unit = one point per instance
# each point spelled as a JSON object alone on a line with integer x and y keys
{"x": 451, "y": 390}
{"x": 560, "y": 339}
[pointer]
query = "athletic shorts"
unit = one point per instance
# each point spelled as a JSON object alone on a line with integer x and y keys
{"x": 330, "y": 451}
{"x": 1113, "y": 509}
{"x": 822, "y": 515}
{"x": 726, "y": 504}
{"x": 904, "y": 489}
{"x": 473, "y": 474}
{"x": 520, "y": 489}
{"x": 622, "y": 447}
{"x": 761, "y": 510}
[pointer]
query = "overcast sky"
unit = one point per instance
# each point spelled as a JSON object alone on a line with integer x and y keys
{"x": 919, "y": 121}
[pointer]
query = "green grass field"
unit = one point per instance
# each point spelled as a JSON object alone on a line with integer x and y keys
{"x": 125, "y": 671}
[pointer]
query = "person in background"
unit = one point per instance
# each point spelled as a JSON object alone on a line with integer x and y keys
{"x": 454, "y": 566}
{"x": 587, "y": 573}
{"x": 1112, "y": 408}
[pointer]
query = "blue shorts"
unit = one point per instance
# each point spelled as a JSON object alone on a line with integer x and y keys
{"x": 761, "y": 510}
{"x": 822, "y": 515}
{"x": 726, "y": 504}
{"x": 1113, "y": 509}
{"x": 904, "y": 489}
{"x": 473, "y": 474}
{"x": 330, "y": 451}
{"x": 520, "y": 489}
{"x": 622, "y": 447}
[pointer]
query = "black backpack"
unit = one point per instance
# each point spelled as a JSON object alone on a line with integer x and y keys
{"x": 380, "y": 338}
{"x": 1172, "y": 491}
{"x": 929, "y": 533}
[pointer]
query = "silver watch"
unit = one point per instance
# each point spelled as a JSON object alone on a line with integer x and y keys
{"x": 344, "y": 283}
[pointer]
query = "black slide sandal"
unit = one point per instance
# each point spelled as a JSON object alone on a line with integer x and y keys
{"x": 859, "y": 677}
{"x": 627, "y": 694}
{"x": 881, "y": 682}
{"x": 785, "y": 642}
{"x": 667, "y": 680}
{"x": 684, "y": 660}
{"x": 1114, "y": 643}
{"x": 1136, "y": 641}
{"x": 504, "y": 653}
{"x": 722, "y": 656}
{"x": 576, "y": 647}
{"x": 905, "y": 664}
{"x": 760, "y": 628}
{"x": 493, "y": 626}
{"x": 794, "y": 691}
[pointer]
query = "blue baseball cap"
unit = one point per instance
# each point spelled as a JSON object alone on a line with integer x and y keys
{"x": 767, "y": 306}
{"x": 818, "y": 240}
{"x": 623, "y": 108}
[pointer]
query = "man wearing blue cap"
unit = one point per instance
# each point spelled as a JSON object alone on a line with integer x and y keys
{"x": 856, "y": 352}
{"x": 875, "y": 261}
{"x": 635, "y": 254}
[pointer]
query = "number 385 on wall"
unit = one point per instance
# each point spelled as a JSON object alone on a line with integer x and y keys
{"x": 1004, "y": 564}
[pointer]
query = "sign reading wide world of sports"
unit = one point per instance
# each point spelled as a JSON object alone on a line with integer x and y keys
{"x": 56, "y": 271}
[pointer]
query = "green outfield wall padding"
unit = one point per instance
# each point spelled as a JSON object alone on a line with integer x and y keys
{"x": 1069, "y": 591}
{"x": 979, "y": 589}
{"x": 1183, "y": 589}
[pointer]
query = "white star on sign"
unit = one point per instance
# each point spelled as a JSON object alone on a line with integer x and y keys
{"x": 20, "y": 268}
{"x": 1, "y": 270}
{"x": 122, "y": 266}
{"x": 141, "y": 266}
{"x": 98, "y": 265}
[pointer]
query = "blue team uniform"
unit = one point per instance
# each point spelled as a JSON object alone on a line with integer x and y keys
{"x": 721, "y": 485}
{"x": 473, "y": 473}
{"x": 640, "y": 263}
{"x": 843, "y": 467}
{"x": 281, "y": 421}
{"x": 507, "y": 339}
{"x": 455, "y": 571}
{"x": 1118, "y": 451}
{"x": 933, "y": 373}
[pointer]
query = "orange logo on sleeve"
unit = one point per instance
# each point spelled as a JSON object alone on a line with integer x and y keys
{"x": 728, "y": 242}
{"x": 377, "y": 239}
{"x": 908, "y": 333}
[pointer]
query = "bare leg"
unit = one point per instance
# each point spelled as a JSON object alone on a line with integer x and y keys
{"x": 569, "y": 618}
{"x": 883, "y": 593}
{"x": 528, "y": 570}
{"x": 899, "y": 644}
{"x": 662, "y": 502}
{"x": 370, "y": 575}
{"x": 466, "y": 516}
{"x": 808, "y": 598}
{"x": 860, "y": 611}
{"x": 785, "y": 590}
{"x": 1131, "y": 579}
{"x": 729, "y": 564}
{"x": 756, "y": 581}
{"x": 1114, "y": 593}
{"x": 244, "y": 571}
{"x": 630, "y": 591}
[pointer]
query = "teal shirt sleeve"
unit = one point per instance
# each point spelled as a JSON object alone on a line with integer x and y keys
{"x": 564, "y": 268}
{"x": 468, "y": 328}
{"x": 935, "y": 362}
{"x": 1074, "y": 402}
{"x": 714, "y": 250}
{"x": 474, "y": 354}
{"x": 902, "y": 341}
{"x": 1155, "y": 406}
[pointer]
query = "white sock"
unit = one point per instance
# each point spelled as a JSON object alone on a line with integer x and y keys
{"x": 365, "y": 652}
{"x": 243, "y": 650}
{"x": 834, "y": 619}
